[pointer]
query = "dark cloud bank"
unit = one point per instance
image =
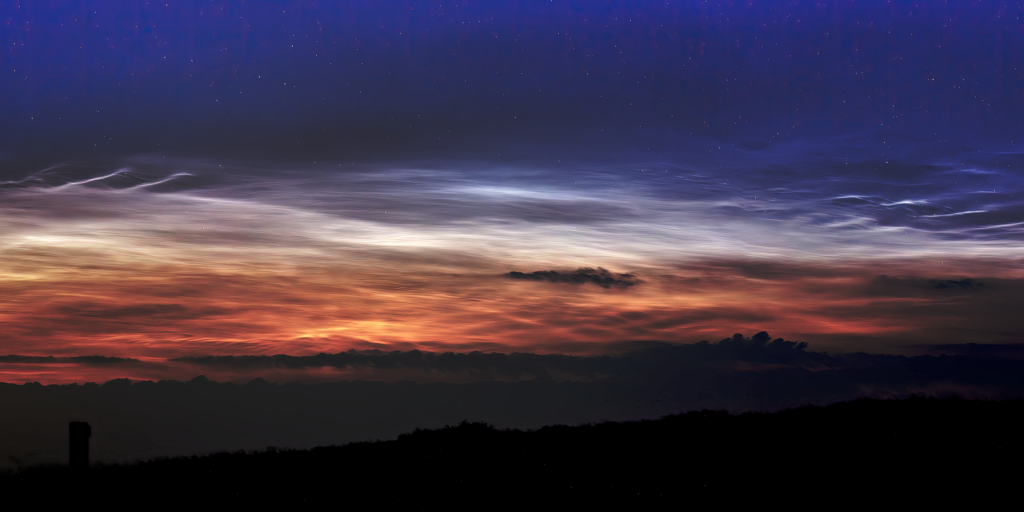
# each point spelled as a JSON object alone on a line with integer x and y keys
{"x": 133, "y": 421}
{"x": 600, "y": 277}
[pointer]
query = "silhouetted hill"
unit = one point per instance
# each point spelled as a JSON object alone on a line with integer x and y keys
{"x": 917, "y": 451}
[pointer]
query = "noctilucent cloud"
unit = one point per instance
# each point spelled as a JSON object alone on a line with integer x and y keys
{"x": 193, "y": 178}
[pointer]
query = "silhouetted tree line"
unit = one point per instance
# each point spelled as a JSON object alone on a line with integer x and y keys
{"x": 880, "y": 452}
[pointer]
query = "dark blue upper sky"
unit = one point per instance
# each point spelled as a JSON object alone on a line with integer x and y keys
{"x": 96, "y": 78}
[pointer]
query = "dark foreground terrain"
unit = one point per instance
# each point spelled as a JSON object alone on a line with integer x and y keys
{"x": 918, "y": 451}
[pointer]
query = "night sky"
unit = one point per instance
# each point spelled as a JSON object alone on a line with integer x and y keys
{"x": 562, "y": 184}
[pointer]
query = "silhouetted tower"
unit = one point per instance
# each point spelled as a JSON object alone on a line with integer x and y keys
{"x": 80, "y": 432}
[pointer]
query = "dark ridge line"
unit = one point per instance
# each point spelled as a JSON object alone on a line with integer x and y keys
{"x": 866, "y": 451}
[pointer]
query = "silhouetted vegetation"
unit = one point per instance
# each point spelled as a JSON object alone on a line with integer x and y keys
{"x": 865, "y": 451}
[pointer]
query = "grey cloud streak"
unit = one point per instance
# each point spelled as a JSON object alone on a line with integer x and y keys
{"x": 600, "y": 277}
